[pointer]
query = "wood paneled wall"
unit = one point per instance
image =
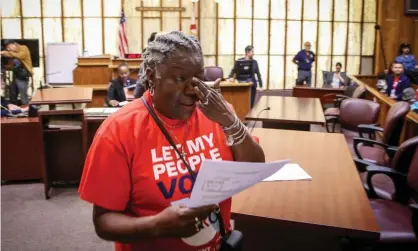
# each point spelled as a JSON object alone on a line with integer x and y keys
{"x": 396, "y": 28}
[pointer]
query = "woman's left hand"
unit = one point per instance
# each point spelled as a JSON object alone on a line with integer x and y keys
{"x": 212, "y": 104}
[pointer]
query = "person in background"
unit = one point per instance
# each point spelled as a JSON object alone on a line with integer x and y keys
{"x": 22, "y": 70}
{"x": 397, "y": 81}
{"x": 6, "y": 107}
{"x": 337, "y": 79}
{"x": 406, "y": 58}
{"x": 140, "y": 84}
{"x": 136, "y": 181}
{"x": 249, "y": 55}
{"x": 116, "y": 92}
{"x": 304, "y": 59}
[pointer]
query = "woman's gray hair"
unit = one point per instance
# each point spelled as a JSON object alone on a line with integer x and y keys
{"x": 163, "y": 47}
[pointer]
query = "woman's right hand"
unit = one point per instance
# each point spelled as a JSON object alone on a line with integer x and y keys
{"x": 180, "y": 222}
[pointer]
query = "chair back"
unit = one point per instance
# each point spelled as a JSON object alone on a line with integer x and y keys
{"x": 405, "y": 153}
{"x": 359, "y": 92}
{"x": 394, "y": 122}
{"x": 350, "y": 89}
{"x": 413, "y": 174}
{"x": 354, "y": 111}
{"x": 326, "y": 78}
{"x": 212, "y": 73}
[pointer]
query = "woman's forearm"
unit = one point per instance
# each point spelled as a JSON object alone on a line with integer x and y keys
{"x": 244, "y": 148}
{"x": 115, "y": 226}
{"x": 248, "y": 151}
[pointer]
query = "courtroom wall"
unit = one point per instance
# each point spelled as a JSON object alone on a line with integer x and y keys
{"x": 339, "y": 30}
{"x": 396, "y": 28}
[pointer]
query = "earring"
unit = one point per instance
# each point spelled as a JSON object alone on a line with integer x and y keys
{"x": 151, "y": 90}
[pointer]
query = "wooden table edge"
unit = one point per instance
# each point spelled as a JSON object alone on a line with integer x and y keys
{"x": 286, "y": 121}
{"x": 63, "y": 102}
{"x": 325, "y": 229}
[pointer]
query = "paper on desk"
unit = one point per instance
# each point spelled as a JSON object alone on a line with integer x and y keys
{"x": 94, "y": 110}
{"x": 110, "y": 110}
{"x": 290, "y": 171}
{"x": 219, "y": 180}
{"x": 123, "y": 103}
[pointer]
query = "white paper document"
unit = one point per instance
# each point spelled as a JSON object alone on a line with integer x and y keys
{"x": 123, "y": 103}
{"x": 110, "y": 110}
{"x": 290, "y": 171}
{"x": 219, "y": 180}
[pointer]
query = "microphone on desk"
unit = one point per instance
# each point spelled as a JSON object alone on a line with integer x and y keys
{"x": 258, "y": 115}
{"x": 42, "y": 86}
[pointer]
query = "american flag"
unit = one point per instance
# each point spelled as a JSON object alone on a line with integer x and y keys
{"x": 123, "y": 39}
{"x": 193, "y": 26}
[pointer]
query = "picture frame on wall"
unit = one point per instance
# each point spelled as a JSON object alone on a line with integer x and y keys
{"x": 411, "y": 7}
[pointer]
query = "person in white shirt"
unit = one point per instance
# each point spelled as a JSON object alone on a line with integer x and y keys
{"x": 336, "y": 79}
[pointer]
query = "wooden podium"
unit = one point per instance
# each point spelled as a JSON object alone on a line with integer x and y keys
{"x": 64, "y": 131}
{"x": 101, "y": 70}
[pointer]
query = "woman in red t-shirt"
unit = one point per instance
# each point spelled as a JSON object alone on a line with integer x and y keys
{"x": 132, "y": 175}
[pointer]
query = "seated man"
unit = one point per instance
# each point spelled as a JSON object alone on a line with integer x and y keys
{"x": 336, "y": 79}
{"x": 116, "y": 93}
{"x": 397, "y": 81}
{"x": 406, "y": 58}
{"x": 6, "y": 107}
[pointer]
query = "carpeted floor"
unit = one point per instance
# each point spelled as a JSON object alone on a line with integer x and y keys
{"x": 31, "y": 223}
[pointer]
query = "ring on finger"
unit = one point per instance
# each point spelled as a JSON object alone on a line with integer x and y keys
{"x": 197, "y": 224}
{"x": 206, "y": 99}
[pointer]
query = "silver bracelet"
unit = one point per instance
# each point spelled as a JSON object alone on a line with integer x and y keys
{"x": 240, "y": 138}
{"x": 234, "y": 125}
{"x": 237, "y": 132}
{"x": 232, "y": 139}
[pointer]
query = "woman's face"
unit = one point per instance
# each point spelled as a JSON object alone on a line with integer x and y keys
{"x": 405, "y": 50}
{"x": 174, "y": 94}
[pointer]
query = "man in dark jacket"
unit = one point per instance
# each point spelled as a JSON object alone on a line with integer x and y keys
{"x": 397, "y": 81}
{"x": 116, "y": 93}
{"x": 249, "y": 54}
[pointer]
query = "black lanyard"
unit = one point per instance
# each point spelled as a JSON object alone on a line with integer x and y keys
{"x": 189, "y": 169}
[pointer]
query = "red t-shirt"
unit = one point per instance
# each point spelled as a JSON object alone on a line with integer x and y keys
{"x": 395, "y": 82}
{"x": 129, "y": 150}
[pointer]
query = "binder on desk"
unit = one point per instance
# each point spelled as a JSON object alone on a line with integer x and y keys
{"x": 64, "y": 123}
{"x": 100, "y": 112}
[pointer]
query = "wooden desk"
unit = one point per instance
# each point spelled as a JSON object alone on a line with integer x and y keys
{"x": 22, "y": 152}
{"x": 101, "y": 70}
{"x": 287, "y": 112}
{"x": 65, "y": 148}
{"x": 54, "y": 96}
{"x": 333, "y": 204}
{"x": 100, "y": 94}
{"x": 237, "y": 94}
{"x": 93, "y": 124}
{"x": 310, "y": 92}
{"x": 410, "y": 126}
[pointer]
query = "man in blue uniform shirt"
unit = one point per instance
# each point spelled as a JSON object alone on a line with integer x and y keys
{"x": 304, "y": 60}
{"x": 406, "y": 58}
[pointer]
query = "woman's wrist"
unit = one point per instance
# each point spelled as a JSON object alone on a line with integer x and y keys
{"x": 229, "y": 121}
{"x": 152, "y": 224}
